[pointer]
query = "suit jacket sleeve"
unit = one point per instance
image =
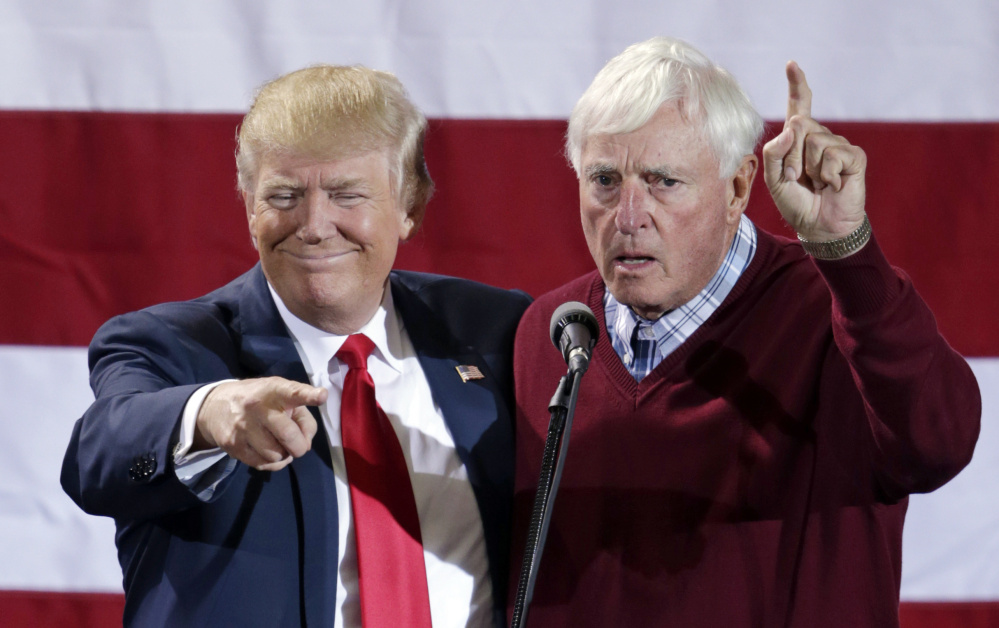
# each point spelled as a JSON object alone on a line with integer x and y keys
{"x": 144, "y": 367}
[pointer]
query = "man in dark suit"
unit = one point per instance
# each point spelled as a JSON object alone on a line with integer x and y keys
{"x": 223, "y": 439}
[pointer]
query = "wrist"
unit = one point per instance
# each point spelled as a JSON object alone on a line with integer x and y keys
{"x": 841, "y": 247}
{"x": 204, "y": 405}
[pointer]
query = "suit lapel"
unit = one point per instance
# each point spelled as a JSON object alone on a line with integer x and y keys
{"x": 475, "y": 413}
{"x": 268, "y": 350}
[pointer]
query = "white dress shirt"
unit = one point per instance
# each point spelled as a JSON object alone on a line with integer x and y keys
{"x": 453, "y": 540}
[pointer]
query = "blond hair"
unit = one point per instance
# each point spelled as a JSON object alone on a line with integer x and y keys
{"x": 329, "y": 112}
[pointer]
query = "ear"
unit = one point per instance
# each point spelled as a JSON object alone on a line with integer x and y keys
{"x": 411, "y": 221}
{"x": 739, "y": 187}
{"x": 251, "y": 216}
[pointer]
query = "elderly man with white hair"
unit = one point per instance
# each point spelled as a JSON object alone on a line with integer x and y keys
{"x": 757, "y": 409}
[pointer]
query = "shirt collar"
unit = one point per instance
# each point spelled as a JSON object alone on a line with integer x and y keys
{"x": 317, "y": 346}
{"x": 671, "y": 329}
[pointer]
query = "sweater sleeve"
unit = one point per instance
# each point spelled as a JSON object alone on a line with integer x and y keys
{"x": 921, "y": 397}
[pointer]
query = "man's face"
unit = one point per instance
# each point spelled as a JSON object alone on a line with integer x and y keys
{"x": 657, "y": 217}
{"x": 327, "y": 233}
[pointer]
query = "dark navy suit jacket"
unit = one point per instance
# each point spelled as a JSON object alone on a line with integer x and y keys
{"x": 263, "y": 550}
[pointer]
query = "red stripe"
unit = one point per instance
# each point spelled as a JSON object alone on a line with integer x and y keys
{"x": 42, "y": 609}
{"x": 105, "y": 213}
{"x": 949, "y": 614}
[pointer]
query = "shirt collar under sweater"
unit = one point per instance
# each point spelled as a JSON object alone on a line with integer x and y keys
{"x": 671, "y": 329}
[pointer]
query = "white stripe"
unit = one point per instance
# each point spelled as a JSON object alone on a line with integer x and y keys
{"x": 951, "y": 535}
{"x": 865, "y": 60}
{"x": 45, "y": 540}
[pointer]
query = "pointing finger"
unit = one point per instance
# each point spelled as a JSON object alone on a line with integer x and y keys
{"x": 294, "y": 394}
{"x": 799, "y": 95}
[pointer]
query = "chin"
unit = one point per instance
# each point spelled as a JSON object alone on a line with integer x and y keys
{"x": 644, "y": 304}
{"x": 312, "y": 291}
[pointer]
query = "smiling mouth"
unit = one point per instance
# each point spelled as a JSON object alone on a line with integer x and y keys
{"x": 317, "y": 257}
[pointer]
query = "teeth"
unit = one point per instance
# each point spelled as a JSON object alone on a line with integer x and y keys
{"x": 634, "y": 260}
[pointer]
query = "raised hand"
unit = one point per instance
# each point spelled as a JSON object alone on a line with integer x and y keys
{"x": 261, "y": 422}
{"x": 816, "y": 178}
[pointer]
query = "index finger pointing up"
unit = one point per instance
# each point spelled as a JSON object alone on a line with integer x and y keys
{"x": 799, "y": 96}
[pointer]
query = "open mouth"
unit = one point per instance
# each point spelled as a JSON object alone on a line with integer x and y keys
{"x": 632, "y": 261}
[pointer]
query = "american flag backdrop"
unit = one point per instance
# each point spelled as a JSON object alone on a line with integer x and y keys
{"x": 117, "y": 191}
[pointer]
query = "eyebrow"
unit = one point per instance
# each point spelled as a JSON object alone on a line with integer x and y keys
{"x": 664, "y": 172}
{"x": 605, "y": 169}
{"x": 596, "y": 169}
{"x": 341, "y": 183}
{"x": 280, "y": 181}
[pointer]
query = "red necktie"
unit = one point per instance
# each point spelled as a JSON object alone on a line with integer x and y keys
{"x": 392, "y": 576}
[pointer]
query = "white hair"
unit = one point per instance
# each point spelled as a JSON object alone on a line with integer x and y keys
{"x": 629, "y": 90}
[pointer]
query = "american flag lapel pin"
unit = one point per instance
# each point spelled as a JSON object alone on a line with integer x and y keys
{"x": 469, "y": 372}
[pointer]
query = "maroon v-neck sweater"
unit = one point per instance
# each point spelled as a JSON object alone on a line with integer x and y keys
{"x": 759, "y": 475}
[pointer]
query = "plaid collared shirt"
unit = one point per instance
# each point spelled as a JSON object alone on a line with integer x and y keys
{"x": 655, "y": 340}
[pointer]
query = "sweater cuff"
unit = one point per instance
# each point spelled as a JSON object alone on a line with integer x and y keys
{"x": 862, "y": 283}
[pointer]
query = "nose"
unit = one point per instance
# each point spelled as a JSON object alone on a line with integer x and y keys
{"x": 314, "y": 221}
{"x": 632, "y": 210}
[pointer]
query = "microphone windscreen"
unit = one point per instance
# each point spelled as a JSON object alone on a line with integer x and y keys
{"x": 568, "y": 313}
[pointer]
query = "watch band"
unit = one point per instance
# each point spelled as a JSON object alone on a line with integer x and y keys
{"x": 835, "y": 249}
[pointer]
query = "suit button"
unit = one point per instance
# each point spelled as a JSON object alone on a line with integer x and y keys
{"x": 143, "y": 467}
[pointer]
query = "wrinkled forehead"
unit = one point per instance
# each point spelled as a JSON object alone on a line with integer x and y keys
{"x": 276, "y": 163}
{"x": 668, "y": 136}
{"x": 326, "y": 146}
{"x": 622, "y": 117}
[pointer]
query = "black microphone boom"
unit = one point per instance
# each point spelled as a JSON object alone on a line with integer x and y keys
{"x": 574, "y": 332}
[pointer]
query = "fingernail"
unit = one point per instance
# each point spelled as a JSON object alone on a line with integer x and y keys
{"x": 789, "y": 174}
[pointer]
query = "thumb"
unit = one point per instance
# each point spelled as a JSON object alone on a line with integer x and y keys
{"x": 774, "y": 154}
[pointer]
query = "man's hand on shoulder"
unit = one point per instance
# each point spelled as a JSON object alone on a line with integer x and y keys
{"x": 263, "y": 423}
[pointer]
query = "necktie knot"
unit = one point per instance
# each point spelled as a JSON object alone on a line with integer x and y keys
{"x": 643, "y": 337}
{"x": 643, "y": 346}
{"x": 355, "y": 351}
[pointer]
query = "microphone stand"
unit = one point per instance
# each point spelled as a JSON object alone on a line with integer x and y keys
{"x": 562, "y": 407}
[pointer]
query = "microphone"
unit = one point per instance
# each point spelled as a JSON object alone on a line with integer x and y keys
{"x": 574, "y": 332}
